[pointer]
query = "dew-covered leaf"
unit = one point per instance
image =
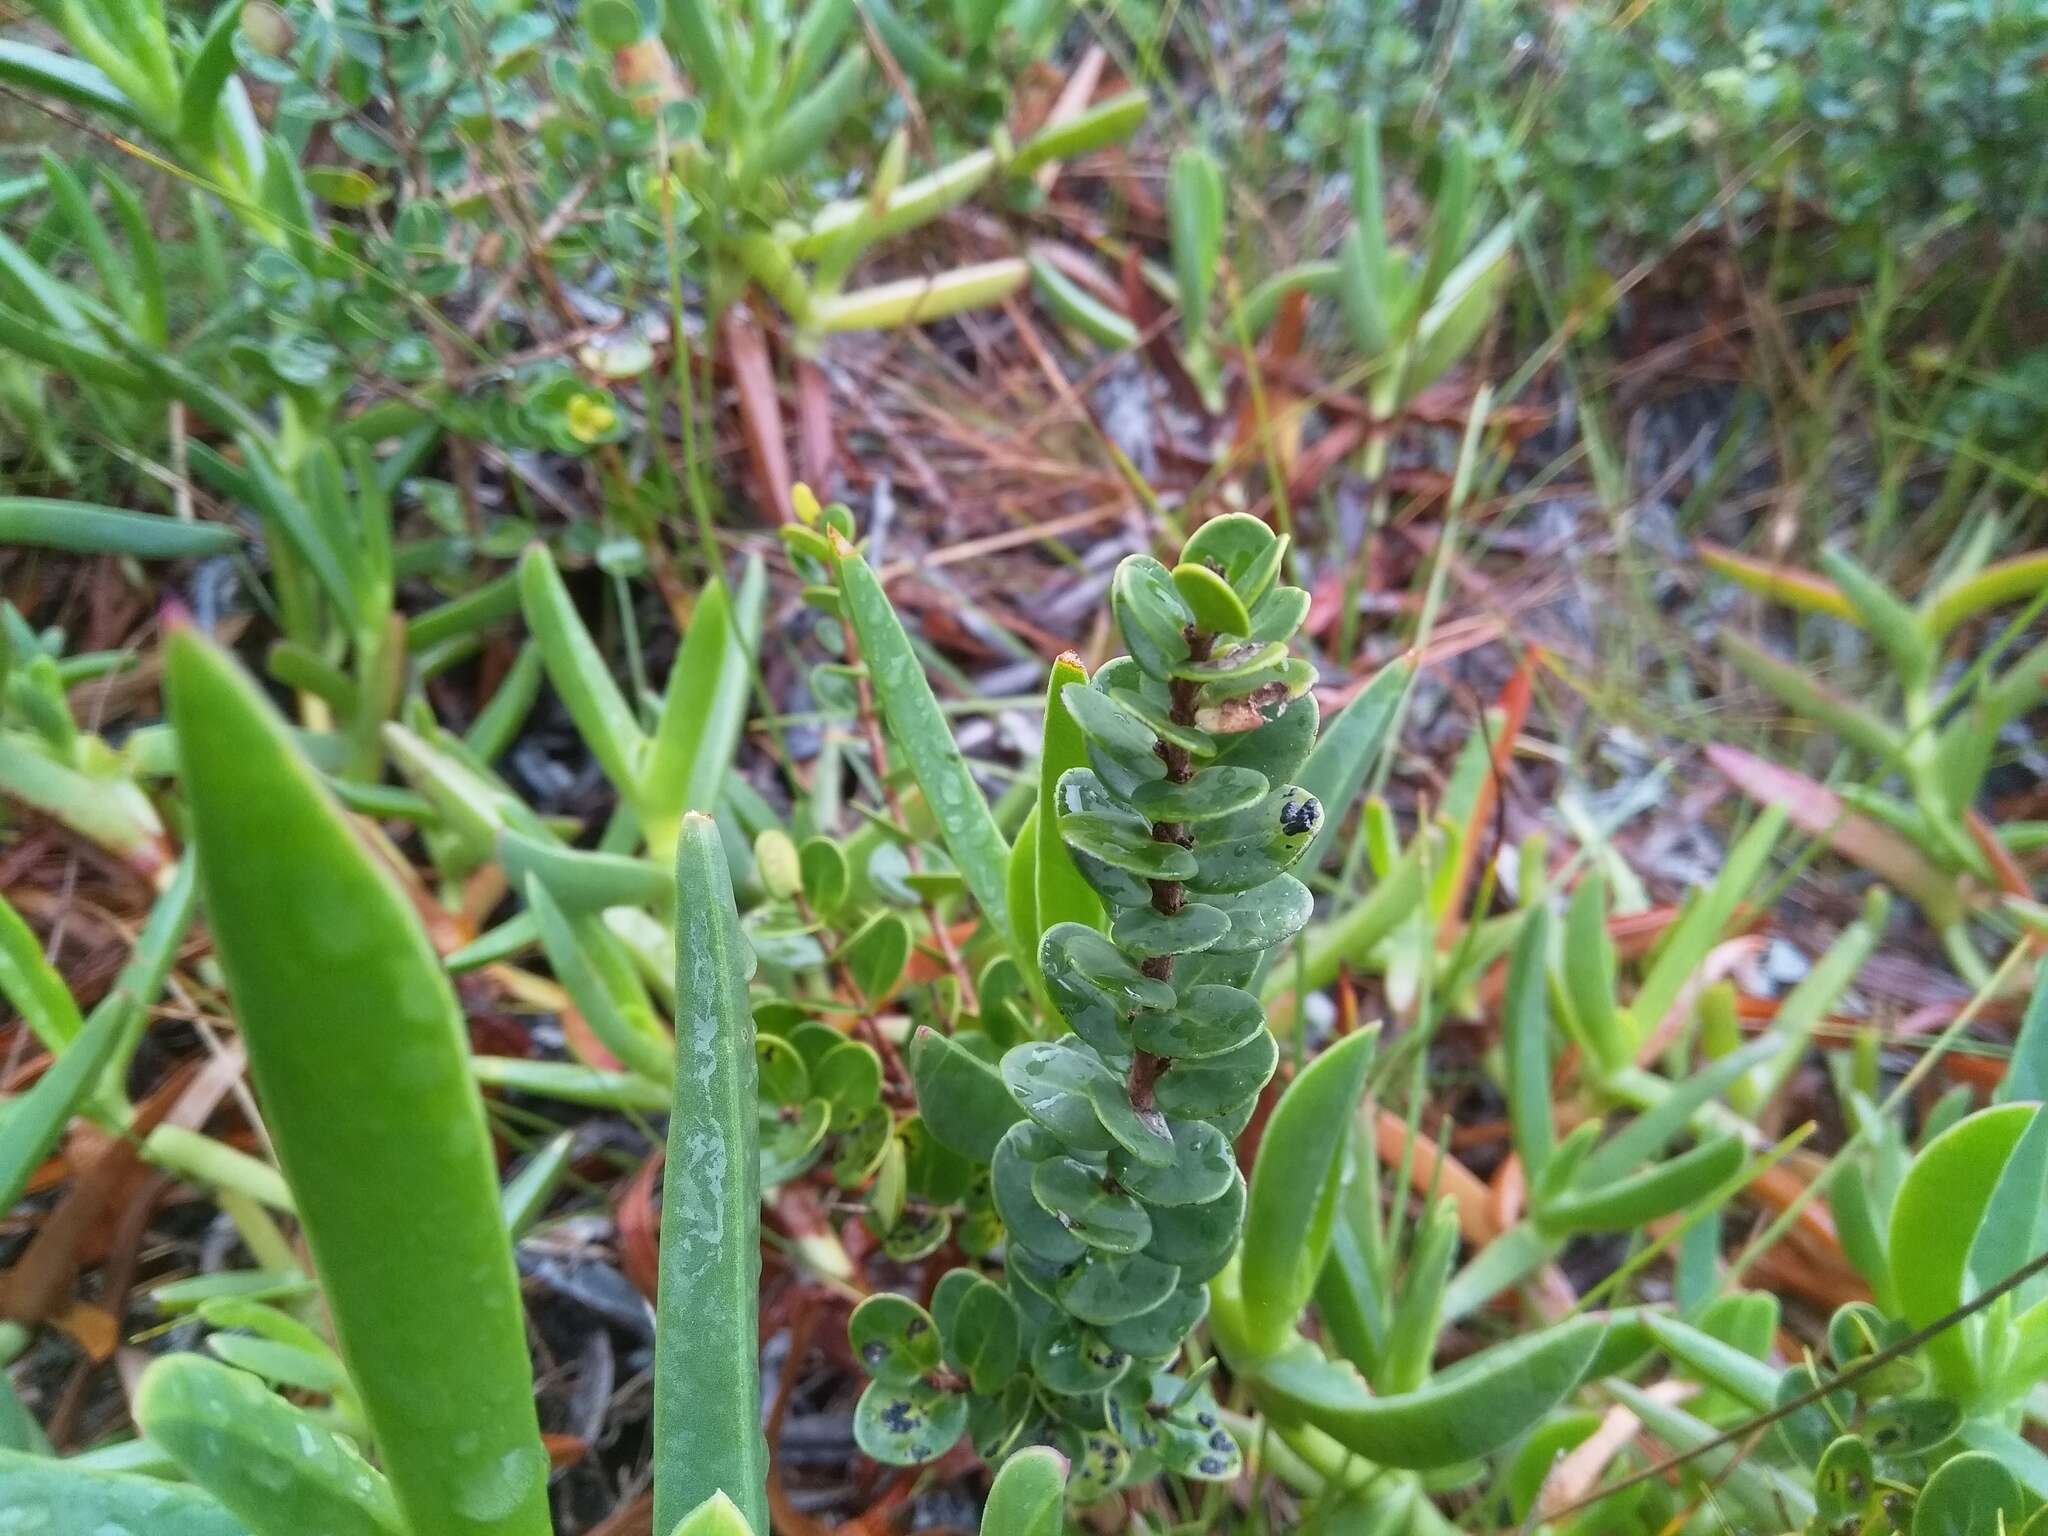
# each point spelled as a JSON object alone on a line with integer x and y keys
{"x": 1030, "y": 1224}
{"x": 1161, "y": 1331}
{"x": 1215, "y": 1085}
{"x": 1056, "y": 1084}
{"x": 961, "y": 1097}
{"x": 1148, "y": 932}
{"x": 1123, "y": 845}
{"x": 1211, "y": 793}
{"x": 1210, "y": 1020}
{"x": 1110, "y": 1288}
{"x": 1265, "y": 916}
{"x": 1201, "y": 1170}
{"x": 1151, "y": 614}
{"x": 1278, "y": 749}
{"x": 1199, "y": 1238}
{"x": 1082, "y": 1200}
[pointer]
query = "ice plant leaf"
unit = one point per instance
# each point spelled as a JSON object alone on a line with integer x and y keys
{"x": 361, "y": 1065}
{"x": 915, "y": 720}
{"x": 707, "y": 1390}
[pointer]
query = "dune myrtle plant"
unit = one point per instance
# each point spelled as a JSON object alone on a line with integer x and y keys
{"x": 1115, "y": 1179}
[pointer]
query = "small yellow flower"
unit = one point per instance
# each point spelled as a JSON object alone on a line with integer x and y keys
{"x": 591, "y": 418}
{"x": 805, "y": 504}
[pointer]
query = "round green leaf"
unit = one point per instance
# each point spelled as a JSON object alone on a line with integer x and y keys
{"x": 918, "y": 1235}
{"x": 1101, "y": 1462}
{"x": 1081, "y": 1199}
{"x": 1211, "y": 793}
{"x": 1280, "y": 614}
{"x": 1241, "y": 549}
{"x": 783, "y": 1077}
{"x": 1265, "y": 916}
{"x": 932, "y": 1170}
{"x": 826, "y": 875}
{"x": 792, "y": 1138}
{"x": 1056, "y": 1084}
{"x": 1148, "y": 932}
{"x": 1159, "y": 1333}
{"x": 895, "y": 1338}
{"x": 1909, "y": 1426}
{"x": 984, "y": 1336}
{"x": 1202, "y": 1168}
{"x": 908, "y": 1425}
{"x": 1127, "y": 845}
{"x": 1279, "y": 748}
{"x": 877, "y": 955}
{"x": 1969, "y": 1495}
{"x": 1215, "y": 1085}
{"x": 1844, "y": 1481}
{"x": 1209, "y": 1021}
{"x": 1192, "y": 1442}
{"x": 861, "y": 1145}
{"x": 1151, "y": 614}
{"x": 1210, "y": 598}
{"x": 1029, "y": 1223}
{"x": 1199, "y": 1238}
{"x": 850, "y": 1077}
{"x": 1159, "y": 720}
{"x": 1109, "y": 1288}
{"x": 1074, "y": 1361}
{"x": 960, "y": 1094}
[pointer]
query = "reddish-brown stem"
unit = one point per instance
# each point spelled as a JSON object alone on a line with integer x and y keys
{"x": 1169, "y": 896}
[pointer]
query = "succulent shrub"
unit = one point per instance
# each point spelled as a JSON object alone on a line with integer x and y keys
{"x": 1115, "y": 1178}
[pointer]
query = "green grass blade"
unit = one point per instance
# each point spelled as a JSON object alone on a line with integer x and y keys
{"x": 704, "y": 709}
{"x": 603, "y": 718}
{"x": 707, "y": 1388}
{"x": 35, "y": 1120}
{"x": 360, "y": 1060}
{"x": 29, "y": 982}
{"x": 915, "y": 720}
{"x": 82, "y": 528}
{"x": 1685, "y": 948}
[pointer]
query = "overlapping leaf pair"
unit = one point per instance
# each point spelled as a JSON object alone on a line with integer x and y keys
{"x": 1117, "y": 1184}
